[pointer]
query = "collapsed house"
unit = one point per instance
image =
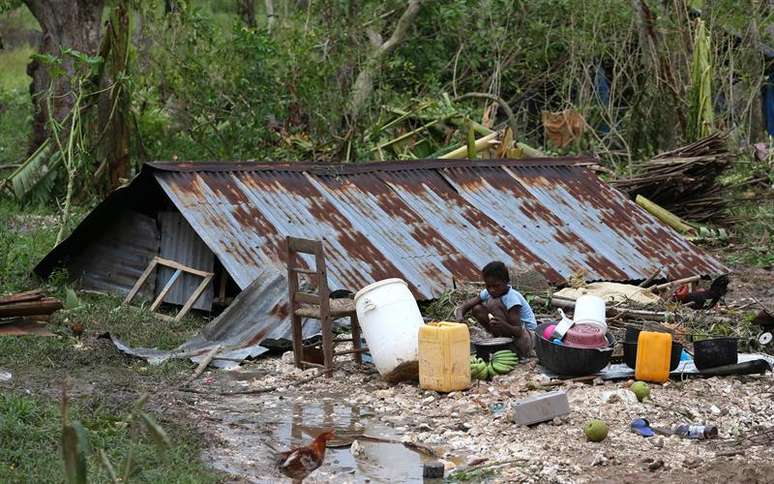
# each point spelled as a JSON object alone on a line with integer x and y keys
{"x": 430, "y": 223}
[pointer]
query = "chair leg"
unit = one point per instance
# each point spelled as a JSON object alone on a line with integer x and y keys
{"x": 326, "y": 325}
{"x": 355, "y": 324}
{"x": 298, "y": 340}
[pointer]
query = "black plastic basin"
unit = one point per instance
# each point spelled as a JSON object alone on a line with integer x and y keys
{"x": 564, "y": 360}
{"x": 630, "y": 354}
{"x": 709, "y": 353}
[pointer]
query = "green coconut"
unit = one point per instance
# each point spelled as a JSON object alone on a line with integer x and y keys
{"x": 641, "y": 390}
{"x": 595, "y": 430}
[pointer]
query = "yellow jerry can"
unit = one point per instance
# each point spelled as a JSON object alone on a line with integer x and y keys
{"x": 444, "y": 357}
{"x": 653, "y": 354}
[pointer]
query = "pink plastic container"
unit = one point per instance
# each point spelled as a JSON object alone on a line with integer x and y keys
{"x": 589, "y": 336}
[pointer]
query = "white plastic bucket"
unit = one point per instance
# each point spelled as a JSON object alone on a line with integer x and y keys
{"x": 590, "y": 310}
{"x": 390, "y": 320}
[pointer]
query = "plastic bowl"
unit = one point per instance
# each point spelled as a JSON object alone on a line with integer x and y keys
{"x": 630, "y": 354}
{"x": 564, "y": 360}
{"x": 585, "y": 336}
{"x": 485, "y": 347}
{"x": 709, "y": 353}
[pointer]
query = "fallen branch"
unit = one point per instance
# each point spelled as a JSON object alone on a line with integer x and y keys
{"x": 481, "y": 144}
{"x": 626, "y": 313}
{"x": 204, "y": 364}
{"x": 665, "y": 215}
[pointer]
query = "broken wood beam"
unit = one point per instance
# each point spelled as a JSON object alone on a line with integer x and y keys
{"x": 32, "y": 295}
{"x": 46, "y": 305}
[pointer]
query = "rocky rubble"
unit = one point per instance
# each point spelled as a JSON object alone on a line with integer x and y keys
{"x": 467, "y": 427}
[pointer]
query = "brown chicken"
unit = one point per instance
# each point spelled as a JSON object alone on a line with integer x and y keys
{"x": 700, "y": 297}
{"x": 77, "y": 329}
{"x": 299, "y": 463}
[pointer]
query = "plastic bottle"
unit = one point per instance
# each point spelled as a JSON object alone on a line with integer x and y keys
{"x": 699, "y": 432}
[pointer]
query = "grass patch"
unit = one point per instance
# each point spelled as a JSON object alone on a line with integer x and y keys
{"x": 27, "y": 235}
{"x": 31, "y": 428}
{"x": 13, "y": 75}
{"x": 106, "y": 382}
{"x": 15, "y": 104}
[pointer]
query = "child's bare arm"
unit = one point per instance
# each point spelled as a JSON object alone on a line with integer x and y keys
{"x": 459, "y": 313}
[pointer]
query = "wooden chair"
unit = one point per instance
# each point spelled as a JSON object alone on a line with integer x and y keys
{"x": 317, "y": 306}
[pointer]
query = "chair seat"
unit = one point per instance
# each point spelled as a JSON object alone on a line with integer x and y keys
{"x": 339, "y": 308}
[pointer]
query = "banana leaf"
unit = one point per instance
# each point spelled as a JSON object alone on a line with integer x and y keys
{"x": 35, "y": 178}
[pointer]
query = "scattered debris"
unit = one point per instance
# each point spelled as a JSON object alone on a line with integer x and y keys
{"x": 26, "y": 313}
{"x": 684, "y": 180}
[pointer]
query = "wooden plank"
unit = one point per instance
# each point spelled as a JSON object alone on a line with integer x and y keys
{"x": 166, "y": 289}
{"x": 349, "y": 352}
{"x": 165, "y": 317}
{"x": 295, "y": 320}
{"x": 184, "y": 268}
{"x": 141, "y": 280}
{"x": 33, "y": 295}
{"x": 198, "y": 292}
{"x": 305, "y": 246}
{"x": 309, "y": 363}
{"x": 355, "y": 325}
{"x": 307, "y": 298}
{"x": 29, "y": 308}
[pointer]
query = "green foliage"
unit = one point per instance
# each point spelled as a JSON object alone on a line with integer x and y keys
{"x": 24, "y": 240}
{"x": 701, "y": 114}
{"x": 30, "y": 428}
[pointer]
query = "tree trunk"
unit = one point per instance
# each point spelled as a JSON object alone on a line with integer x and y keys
{"x": 113, "y": 126}
{"x": 73, "y": 24}
{"x": 270, "y": 17}
{"x": 246, "y": 10}
{"x": 364, "y": 83}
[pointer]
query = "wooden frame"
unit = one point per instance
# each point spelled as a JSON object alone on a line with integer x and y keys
{"x": 179, "y": 269}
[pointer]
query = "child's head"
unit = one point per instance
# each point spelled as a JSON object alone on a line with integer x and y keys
{"x": 496, "y": 278}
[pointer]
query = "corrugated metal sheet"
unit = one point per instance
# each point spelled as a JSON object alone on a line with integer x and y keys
{"x": 180, "y": 243}
{"x": 427, "y": 222}
{"x": 115, "y": 259}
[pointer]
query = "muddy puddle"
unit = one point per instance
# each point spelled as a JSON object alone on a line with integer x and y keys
{"x": 249, "y": 431}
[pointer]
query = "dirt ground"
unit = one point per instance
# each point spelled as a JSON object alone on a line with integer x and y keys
{"x": 467, "y": 427}
{"x": 471, "y": 430}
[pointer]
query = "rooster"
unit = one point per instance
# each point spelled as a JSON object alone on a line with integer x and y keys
{"x": 77, "y": 329}
{"x": 299, "y": 463}
{"x": 700, "y": 297}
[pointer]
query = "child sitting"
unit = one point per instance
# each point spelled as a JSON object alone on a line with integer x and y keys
{"x": 502, "y": 310}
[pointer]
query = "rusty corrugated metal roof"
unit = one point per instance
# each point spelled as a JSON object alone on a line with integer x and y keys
{"x": 427, "y": 222}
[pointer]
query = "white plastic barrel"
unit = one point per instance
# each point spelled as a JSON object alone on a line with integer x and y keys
{"x": 390, "y": 320}
{"x": 590, "y": 310}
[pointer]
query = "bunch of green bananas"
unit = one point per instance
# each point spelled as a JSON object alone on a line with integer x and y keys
{"x": 500, "y": 363}
{"x": 479, "y": 369}
{"x": 503, "y": 361}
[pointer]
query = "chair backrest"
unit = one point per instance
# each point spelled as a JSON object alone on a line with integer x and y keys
{"x": 298, "y": 246}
